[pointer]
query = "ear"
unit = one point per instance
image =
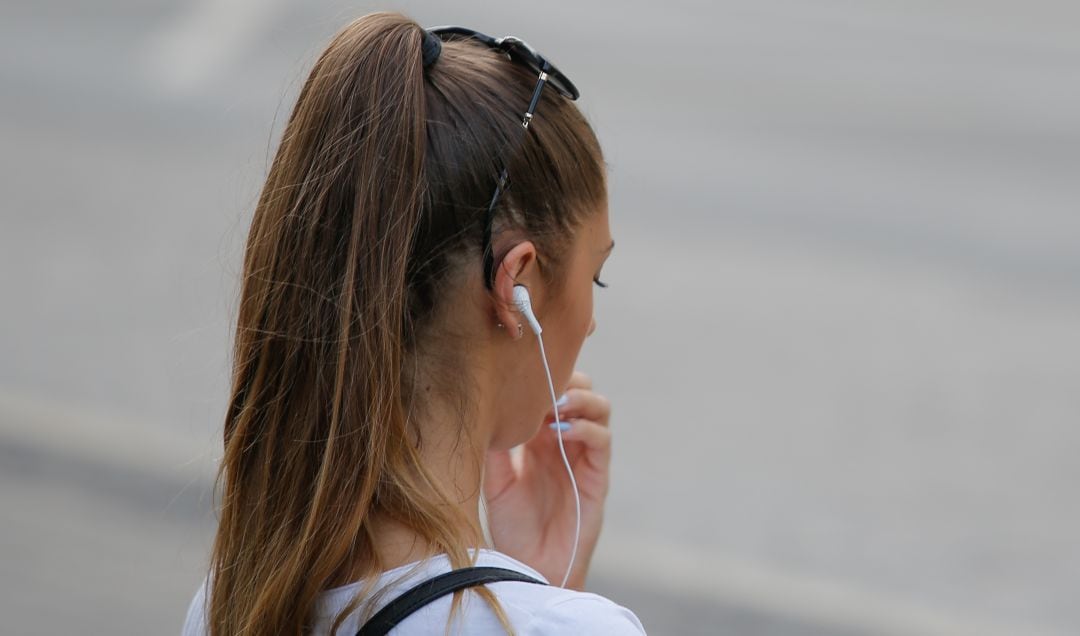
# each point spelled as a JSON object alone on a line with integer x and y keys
{"x": 517, "y": 267}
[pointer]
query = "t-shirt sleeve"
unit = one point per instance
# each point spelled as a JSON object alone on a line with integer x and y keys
{"x": 195, "y": 622}
{"x": 585, "y": 614}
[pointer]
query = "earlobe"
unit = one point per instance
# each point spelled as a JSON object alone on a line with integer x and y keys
{"x": 520, "y": 330}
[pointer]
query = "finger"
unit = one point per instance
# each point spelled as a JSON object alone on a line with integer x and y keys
{"x": 585, "y": 404}
{"x": 595, "y": 437}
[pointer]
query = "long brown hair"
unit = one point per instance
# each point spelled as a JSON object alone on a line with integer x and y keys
{"x": 375, "y": 198}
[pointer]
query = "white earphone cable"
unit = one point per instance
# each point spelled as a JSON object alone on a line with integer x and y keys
{"x": 566, "y": 462}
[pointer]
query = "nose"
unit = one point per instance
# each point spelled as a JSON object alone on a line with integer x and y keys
{"x": 592, "y": 327}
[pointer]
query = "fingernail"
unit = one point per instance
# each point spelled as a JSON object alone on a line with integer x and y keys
{"x": 563, "y": 400}
{"x": 562, "y": 426}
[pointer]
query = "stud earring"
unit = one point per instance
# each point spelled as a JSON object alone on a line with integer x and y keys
{"x": 521, "y": 328}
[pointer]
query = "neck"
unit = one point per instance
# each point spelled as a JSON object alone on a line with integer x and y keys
{"x": 451, "y": 461}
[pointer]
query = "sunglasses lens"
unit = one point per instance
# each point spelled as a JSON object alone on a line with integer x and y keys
{"x": 520, "y": 52}
{"x": 561, "y": 87}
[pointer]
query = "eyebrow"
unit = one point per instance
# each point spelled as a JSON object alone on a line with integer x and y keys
{"x": 610, "y": 247}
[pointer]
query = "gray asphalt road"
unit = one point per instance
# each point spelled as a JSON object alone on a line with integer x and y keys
{"x": 842, "y": 336}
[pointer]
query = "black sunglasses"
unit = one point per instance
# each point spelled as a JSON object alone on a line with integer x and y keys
{"x": 520, "y": 52}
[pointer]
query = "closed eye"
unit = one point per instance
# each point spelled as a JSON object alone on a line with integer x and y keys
{"x": 599, "y": 283}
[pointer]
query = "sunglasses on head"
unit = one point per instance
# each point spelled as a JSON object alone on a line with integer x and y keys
{"x": 520, "y": 52}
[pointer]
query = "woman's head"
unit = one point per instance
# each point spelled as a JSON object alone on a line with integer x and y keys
{"x": 550, "y": 232}
{"x": 363, "y": 305}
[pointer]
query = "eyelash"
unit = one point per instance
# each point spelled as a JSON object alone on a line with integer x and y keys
{"x": 598, "y": 282}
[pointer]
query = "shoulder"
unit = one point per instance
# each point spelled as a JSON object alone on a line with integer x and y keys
{"x": 548, "y": 609}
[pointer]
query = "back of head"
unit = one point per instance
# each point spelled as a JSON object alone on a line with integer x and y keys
{"x": 372, "y": 209}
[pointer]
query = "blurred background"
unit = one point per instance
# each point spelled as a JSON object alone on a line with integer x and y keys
{"x": 842, "y": 334}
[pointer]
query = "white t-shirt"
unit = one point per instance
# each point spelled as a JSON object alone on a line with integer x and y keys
{"x": 531, "y": 608}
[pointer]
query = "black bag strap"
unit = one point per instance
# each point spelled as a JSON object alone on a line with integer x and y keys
{"x": 427, "y": 591}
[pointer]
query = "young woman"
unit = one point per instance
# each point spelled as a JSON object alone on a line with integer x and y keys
{"x": 382, "y": 370}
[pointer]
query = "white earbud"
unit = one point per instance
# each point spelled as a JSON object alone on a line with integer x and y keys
{"x": 524, "y": 305}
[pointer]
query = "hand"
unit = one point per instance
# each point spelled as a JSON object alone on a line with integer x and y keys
{"x": 530, "y": 501}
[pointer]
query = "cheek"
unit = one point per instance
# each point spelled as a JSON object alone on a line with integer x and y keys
{"x": 580, "y": 315}
{"x": 586, "y": 318}
{"x": 586, "y": 312}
